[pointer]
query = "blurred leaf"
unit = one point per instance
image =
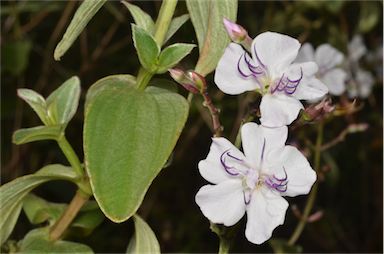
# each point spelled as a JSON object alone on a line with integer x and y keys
{"x": 12, "y": 193}
{"x": 282, "y": 246}
{"x": 333, "y": 174}
{"x": 27, "y": 135}
{"x": 63, "y": 102}
{"x": 83, "y": 15}
{"x": 39, "y": 210}
{"x": 15, "y": 55}
{"x": 142, "y": 19}
{"x": 207, "y": 18}
{"x": 116, "y": 81}
{"x": 142, "y": 127}
{"x": 31, "y": 7}
{"x": 172, "y": 55}
{"x": 37, "y": 241}
{"x": 89, "y": 217}
{"x": 369, "y": 16}
{"x": 175, "y": 25}
{"x": 36, "y": 102}
{"x": 146, "y": 47}
{"x": 144, "y": 240}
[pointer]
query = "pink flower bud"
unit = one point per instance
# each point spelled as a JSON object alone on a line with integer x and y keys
{"x": 185, "y": 79}
{"x": 236, "y": 32}
{"x": 319, "y": 111}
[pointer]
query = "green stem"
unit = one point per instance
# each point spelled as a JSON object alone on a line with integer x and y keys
{"x": 161, "y": 28}
{"x": 224, "y": 246}
{"x": 312, "y": 196}
{"x": 70, "y": 155}
{"x": 69, "y": 214}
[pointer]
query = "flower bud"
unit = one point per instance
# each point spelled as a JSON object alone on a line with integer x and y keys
{"x": 319, "y": 111}
{"x": 236, "y": 32}
{"x": 185, "y": 79}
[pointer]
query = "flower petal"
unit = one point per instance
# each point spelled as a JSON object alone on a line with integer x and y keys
{"x": 265, "y": 212}
{"x": 335, "y": 81}
{"x": 365, "y": 82}
{"x": 327, "y": 57}
{"x": 227, "y": 76}
{"x": 356, "y": 48}
{"x": 212, "y": 169}
{"x": 306, "y": 54}
{"x": 309, "y": 88}
{"x": 279, "y": 110}
{"x": 258, "y": 140}
{"x": 275, "y": 51}
{"x": 222, "y": 203}
{"x": 300, "y": 174}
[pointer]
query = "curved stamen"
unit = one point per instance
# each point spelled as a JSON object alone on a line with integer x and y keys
{"x": 225, "y": 166}
{"x": 282, "y": 179}
{"x": 288, "y": 85}
{"x": 257, "y": 57}
{"x": 247, "y": 196}
{"x": 278, "y": 184}
{"x": 240, "y": 71}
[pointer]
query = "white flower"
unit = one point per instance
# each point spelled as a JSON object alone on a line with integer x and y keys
{"x": 327, "y": 58}
{"x": 360, "y": 82}
{"x": 254, "y": 181}
{"x": 270, "y": 71}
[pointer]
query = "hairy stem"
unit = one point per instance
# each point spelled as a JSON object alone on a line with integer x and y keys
{"x": 312, "y": 196}
{"x": 69, "y": 214}
{"x": 70, "y": 155}
{"x": 224, "y": 246}
{"x": 161, "y": 28}
{"x": 217, "y": 127}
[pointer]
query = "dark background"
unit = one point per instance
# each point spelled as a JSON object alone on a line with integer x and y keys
{"x": 350, "y": 195}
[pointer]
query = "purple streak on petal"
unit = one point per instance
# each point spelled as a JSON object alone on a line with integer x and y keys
{"x": 262, "y": 151}
{"x": 257, "y": 57}
{"x": 247, "y": 197}
{"x": 225, "y": 166}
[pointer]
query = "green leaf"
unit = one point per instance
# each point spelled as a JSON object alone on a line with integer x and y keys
{"x": 8, "y": 221}
{"x": 144, "y": 240}
{"x": 37, "y": 241}
{"x": 83, "y": 15}
{"x": 15, "y": 55}
{"x": 12, "y": 193}
{"x": 175, "y": 25}
{"x": 369, "y": 16}
{"x": 128, "y": 136}
{"x": 207, "y": 18}
{"x": 27, "y": 135}
{"x": 147, "y": 48}
{"x": 282, "y": 246}
{"x": 142, "y": 19}
{"x": 114, "y": 81}
{"x": 172, "y": 55}
{"x": 35, "y": 101}
{"x": 63, "y": 102}
{"x": 39, "y": 210}
{"x": 165, "y": 84}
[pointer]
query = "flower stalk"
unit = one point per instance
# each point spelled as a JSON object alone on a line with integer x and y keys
{"x": 312, "y": 196}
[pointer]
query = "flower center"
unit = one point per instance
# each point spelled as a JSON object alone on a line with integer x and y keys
{"x": 252, "y": 178}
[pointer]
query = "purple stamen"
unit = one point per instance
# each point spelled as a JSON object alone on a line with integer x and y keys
{"x": 225, "y": 166}
{"x": 287, "y": 85}
{"x": 257, "y": 57}
{"x": 282, "y": 179}
{"x": 278, "y": 184}
{"x": 240, "y": 71}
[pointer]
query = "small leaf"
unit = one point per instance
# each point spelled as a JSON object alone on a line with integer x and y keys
{"x": 36, "y": 102}
{"x": 147, "y": 48}
{"x": 142, "y": 128}
{"x": 282, "y": 246}
{"x": 175, "y": 25}
{"x": 142, "y": 19}
{"x": 207, "y": 18}
{"x": 83, "y": 15}
{"x": 27, "y": 135}
{"x": 39, "y": 210}
{"x": 172, "y": 55}
{"x": 37, "y": 241}
{"x": 63, "y": 102}
{"x": 144, "y": 240}
{"x": 12, "y": 193}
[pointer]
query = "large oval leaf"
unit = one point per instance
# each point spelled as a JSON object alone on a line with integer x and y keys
{"x": 128, "y": 136}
